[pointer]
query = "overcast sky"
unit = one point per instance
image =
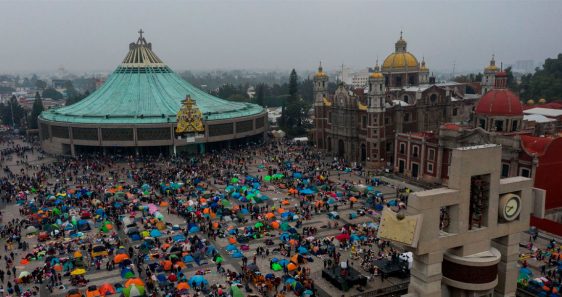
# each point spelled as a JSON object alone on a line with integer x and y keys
{"x": 267, "y": 34}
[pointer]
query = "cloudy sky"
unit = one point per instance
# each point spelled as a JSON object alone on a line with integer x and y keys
{"x": 274, "y": 34}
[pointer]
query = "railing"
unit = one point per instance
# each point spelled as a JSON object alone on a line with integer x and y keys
{"x": 396, "y": 290}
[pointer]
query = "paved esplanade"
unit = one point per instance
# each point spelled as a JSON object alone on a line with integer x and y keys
{"x": 319, "y": 221}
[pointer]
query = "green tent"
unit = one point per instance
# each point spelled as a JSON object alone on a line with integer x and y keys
{"x": 258, "y": 225}
{"x": 56, "y": 211}
{"x": 134, "y": 291}
{"x": 276, "y": 267}
{"x": 226, "y": 203}
{"x": 234, "y": 180}
{"x": 285, "y": 226}
{"x": 236, "y": 292}
{"x": 267, "y": 178}
{"x": 219, "y": 260}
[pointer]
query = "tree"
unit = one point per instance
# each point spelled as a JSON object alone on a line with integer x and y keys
{"x": 293, "y": 114}
{"x": 511, "y": 81}
{"x": 52, "y": 94}
{"x": 260, "y": 94}
{"x": 12, "y": 113}
{"x": 70, "y": 90}
{"x": 36, "y": 110}
{"x": 544, "y": 83}
{"x": 41, "y": 85}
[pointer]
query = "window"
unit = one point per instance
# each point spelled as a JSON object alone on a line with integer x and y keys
{"x": 514, "y": 126}
{"x": 415, "y": 151}
{"x": 329, "y": 117}
{"x": 433, "y": 98}
{"x": 505, "y": 170}
{"x": 386, "y": 120}
{"x": 431, "y": 154}
{"x": 244, "y": 126}
{"x": 406, "y": 99}
{"x": 499, "y": 125}
{"x": 406, "y": 117}
{"x": 430, "y": 167}
{"x": 398, "y": 81}
{"x": 482, "y": 123}
{"x": 525, "y": 172}
{"x": 364, "y": 122}
{"x": 402, "y": 148}
{"x": 455, "y": 111}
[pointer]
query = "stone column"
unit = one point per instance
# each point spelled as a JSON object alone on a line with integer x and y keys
{"x": 507, "y": 267}
{"x": 426, "y": 275}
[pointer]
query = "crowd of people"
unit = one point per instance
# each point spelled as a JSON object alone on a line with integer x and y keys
{"x": 152, "y": 219}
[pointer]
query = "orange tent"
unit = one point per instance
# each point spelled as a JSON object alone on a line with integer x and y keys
{"x": 280, "y": 210}
{"x": 57, "y": 267}
{"x": 292, "y": 242}
{"x": 353, "y": 199}
{"x": 285, "y": 202}
{"x": 93, "y": 293}
{"x": 107, "y": 289}
{"x": 167, "y": 264}
{"x": 215, "y": 225}
{"x": 120, "y": 258}
{"x": 275, "y": 225}
{"x": 269, "y": 215}
{"x": 203, "y": 200}
{"x": 291, "y": 266}
{"x": 232, "y": 240}
{"x": 134, "y": 281}
{"x": 164, "y": 203}
{"x": 77, "y": 254}
{"x": 206, "y": 210}
{"x": 182, "y": 286}
{"x": 24, "y": 262}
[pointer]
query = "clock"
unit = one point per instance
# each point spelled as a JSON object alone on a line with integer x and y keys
{"x": 509, "y": 207}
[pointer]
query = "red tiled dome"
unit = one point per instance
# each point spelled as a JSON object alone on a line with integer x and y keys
{"x": 500, "y": 102}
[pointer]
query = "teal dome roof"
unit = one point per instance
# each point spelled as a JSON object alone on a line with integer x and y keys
{"x": 143, "y": 90}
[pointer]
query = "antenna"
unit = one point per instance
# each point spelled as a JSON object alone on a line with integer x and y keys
{"x": 454, "y": 65}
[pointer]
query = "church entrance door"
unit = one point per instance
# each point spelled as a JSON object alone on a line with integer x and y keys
{"x": 341, "y": 149}
{"x": 363, "y": 153}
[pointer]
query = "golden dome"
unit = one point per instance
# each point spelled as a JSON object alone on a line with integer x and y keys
{"x": 400, "y": 60}
{"x": 542, "y": 101}
{"x": 376, "y": 75}
{"x": 492, "y": 66}
{"x": 530, "y": 102}
{"x": 320, "y": 72}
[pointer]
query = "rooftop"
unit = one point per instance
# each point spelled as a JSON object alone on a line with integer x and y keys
{"x": 143, "y": 90}
{"x": 548, "y": 112}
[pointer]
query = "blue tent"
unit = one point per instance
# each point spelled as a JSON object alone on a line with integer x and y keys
{"x": 297, "y": 175}
{"x": 307, "y": 192}
{"x": 210, "y": 250}
{"x": 244, "y": 211}
{"x": 231, "y": 247}
{"x": 197, "y": 280}
{"x": 162, "y": 278}
{"x": 155, "y": 233}
{"x": 188, "y": 259}
{"x": 237, "y": 254}
{"x": 290, "y": 280}
{"x": 178, "y": 237}
{"x": 302, "y": 250}
{"x": 284, "y": 237}
{"x": 194, "y": 229}
{"x": 274, "y": 260}
{"x": 283, "y": 262}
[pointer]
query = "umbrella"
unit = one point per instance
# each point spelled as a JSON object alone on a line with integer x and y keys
{"x": 120, "y": 258}
{"x": 342, "y": 237}
{"x": 134, "y": 291}
{"x": 197, "y": 280}
{"x": 24, "y": 274}
{"x": 182, "y": 286}
{"x": 78, "y": 271}
{"x": 134, "y": 281}
{"x": 107, "y": 289}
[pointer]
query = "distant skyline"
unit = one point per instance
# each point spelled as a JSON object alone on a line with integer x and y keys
{"x": 83, "y": 36}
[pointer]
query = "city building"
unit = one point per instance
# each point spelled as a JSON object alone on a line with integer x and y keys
{"x": 360, "y": 125}
{"x": 144, "y": 107}
{"x": 528, "y": 149}
{"x": 465, "y": 237}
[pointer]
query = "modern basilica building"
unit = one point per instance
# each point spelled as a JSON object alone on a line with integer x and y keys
{"x": 144, "y": 107}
